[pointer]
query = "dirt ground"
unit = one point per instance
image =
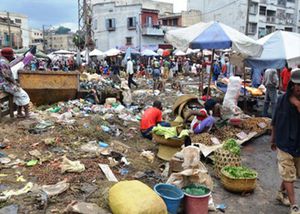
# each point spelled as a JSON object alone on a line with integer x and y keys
{"x": 91, "y": 185}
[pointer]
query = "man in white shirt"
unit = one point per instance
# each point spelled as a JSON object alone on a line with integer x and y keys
{"x": 130, "y": 72}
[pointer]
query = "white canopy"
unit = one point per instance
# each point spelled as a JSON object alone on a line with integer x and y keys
{"x": 96, "y": 52}
{"x": 149, "y": 52}
{"x": 112, "y": 52}
{"x": 213, "y": 35}
{"x": 179, "y": 53}
{"x": 63, "y": 52}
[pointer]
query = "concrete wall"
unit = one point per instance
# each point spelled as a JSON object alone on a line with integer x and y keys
{"x": 60, "y": 42}
{"x": 191, "y": 17}
{"x": 24, "y": 26}
{"x": 15, "y": 30}
{"x": 105, "y": 39}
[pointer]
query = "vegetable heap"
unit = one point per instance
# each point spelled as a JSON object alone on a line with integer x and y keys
{"x": 196, "y": 190}
{"x": 239, "y": 172}
{"x": 232, "y": 146}
{"x": 169, "y": 132}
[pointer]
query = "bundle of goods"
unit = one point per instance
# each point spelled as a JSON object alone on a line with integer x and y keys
{"x": 256, "y": 124}
{"x": 228, "y": 155}
{"x": 203, "y": 138}
{"x": 238, "y": 179}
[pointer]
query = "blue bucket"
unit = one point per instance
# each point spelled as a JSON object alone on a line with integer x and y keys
{"x": 171, "y": 195}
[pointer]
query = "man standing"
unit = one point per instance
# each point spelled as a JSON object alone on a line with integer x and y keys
{"x": 130, "y": 73}
{"x": 271, "y": 83}
{"x": 285, "y": 76}
{"x": 286, "y": 139}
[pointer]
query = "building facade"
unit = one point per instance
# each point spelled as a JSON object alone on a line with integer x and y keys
{"x": 255, "y": 18}
{"x": 22, "y": 22}
{"x": 183, "y": 19}
{"x": 127, "y": 24}
{"x": 59, "y": 42}
{"x": 36, "y": 38}
{"x": 15, "y": 36}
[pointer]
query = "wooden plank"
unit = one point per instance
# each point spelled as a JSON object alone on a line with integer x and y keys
{"x": 108, "y": 173}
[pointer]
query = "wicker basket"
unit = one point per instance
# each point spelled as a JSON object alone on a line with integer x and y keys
{"x": 238, "y": 185}
{"x": 173, "y": 142}
{"x": 225, "y": 158}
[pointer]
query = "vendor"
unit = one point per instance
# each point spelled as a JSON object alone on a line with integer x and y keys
{"x": 203, "y": 120}
{"x": 151, "y": 117}
{"x": 9, "y": 84}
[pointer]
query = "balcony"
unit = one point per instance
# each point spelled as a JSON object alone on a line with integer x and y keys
{"x": 263, "y": 1}
{"x": 152, "y": 31}
{"x": 271, "y": 19}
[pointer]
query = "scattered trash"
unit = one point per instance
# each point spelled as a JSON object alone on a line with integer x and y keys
{"x": 102, "y": 144}
{"x": 107, "y": 172}
{"x": 2, "y": 154}
{"x": 221, "y": 207}
{"x": 11, "y": 209}
{"x": 32, "y": 163}
{"x": 125, "y": 161}
{"x": 84, "y": 208}
{"x": 71, "y": 166}
{"x": 7, "y": 194}
{"x": 56, "y": 189}
{"x": 5, "y": 160}
{"x": 123, "y": 171}
{"x": 149, "y": 155}
{"x": 105, "y": 128}
{"x": 3, "y": 146}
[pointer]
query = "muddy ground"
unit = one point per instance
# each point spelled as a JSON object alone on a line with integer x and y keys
{"x": 92, "y": 186}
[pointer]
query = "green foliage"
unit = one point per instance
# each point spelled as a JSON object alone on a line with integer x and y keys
{"x": 239, "y": 172}
{"x": 62, "y": 30}
{"x": 232, "y": 146}
{"x": 78, "y": 41}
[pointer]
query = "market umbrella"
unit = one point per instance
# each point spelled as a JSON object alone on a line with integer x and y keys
{"x": 63, "y": 52}
{"x": 213, "y": 35}
{"x": 149, "y": 52}
{"x": 38, "y": 54}
{"x": 112, "y": 52}
{"x": 279, "y": 47}
{"x": 179, "y": 53}
{"x": 96, "y": 52}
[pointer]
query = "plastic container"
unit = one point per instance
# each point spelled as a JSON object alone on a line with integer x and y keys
{"x": 196, "y": 204}
{"x": 171, "y": 195}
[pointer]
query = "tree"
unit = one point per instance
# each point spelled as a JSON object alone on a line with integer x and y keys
{"x": 78, "y": 41}
{"x": 62, "y": 30}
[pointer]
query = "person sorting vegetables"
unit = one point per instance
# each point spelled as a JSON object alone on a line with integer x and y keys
{"x": 151, "y": 117}
{"x": 203, "y": 120}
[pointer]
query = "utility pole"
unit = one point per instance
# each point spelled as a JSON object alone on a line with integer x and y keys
{"x": 44, "y": 42}
{"x": 9, "y": 30}
{"x": 247, "y": 17}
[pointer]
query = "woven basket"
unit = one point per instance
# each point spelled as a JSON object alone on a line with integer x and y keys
{"x": 237, "y": 185}
{"x": 225, "y": 158}
{"x": 173, "y": 142}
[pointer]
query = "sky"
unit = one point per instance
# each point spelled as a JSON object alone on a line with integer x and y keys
{"x": 56, "y": 12}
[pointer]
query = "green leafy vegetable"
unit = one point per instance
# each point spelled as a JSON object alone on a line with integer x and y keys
{"x": 232, "y": 146}
{"x": 196, "y": 190}
{"x": 239, "y": 172}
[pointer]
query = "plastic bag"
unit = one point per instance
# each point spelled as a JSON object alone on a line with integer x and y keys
{"x": 134, "y": 197}
{"x": 71, "y": 166}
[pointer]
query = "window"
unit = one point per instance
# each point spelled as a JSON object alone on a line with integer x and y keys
{"x": 165, "y": 22}
{"x": 149, "y": 21}
{"x": 95, "y": 24}
{"x": 128, "y": 40}
{"x": 111, "y": 24}
{"x": 262, "y": 10}
{"x": 18, "y": 21}
{"x": 253, "y": 8}
{"x": 252, "y": 28}
{"x": 261, "y": 32}
{"x": 131, "y": 22}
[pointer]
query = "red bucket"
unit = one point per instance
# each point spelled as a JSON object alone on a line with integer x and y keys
{"x": 196, "y": 204}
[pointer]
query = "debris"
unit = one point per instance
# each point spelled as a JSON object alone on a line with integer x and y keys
{"x": 149, "y": 155}
{"x": 5, "y": 160}
{"x": 102, "y": 144}
{"x": 11, "y": 209}
{"x": 108, "y": 173}
{"x": 84, "y": 208}
{"x": 125, "y": 161}
{"x": 3, "y": 145}
{"x": 7, "y": 194}
{"x": 32, "y": 163}
{"x": 56, "y": 189}
{"x": 71, "y": 166}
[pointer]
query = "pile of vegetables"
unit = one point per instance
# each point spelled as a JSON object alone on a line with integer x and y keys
{"x": 169, "y": 132}
{"x": 196, "y": 190}
{"x": 239, "y": 172}
{"x": 232, "y": 146}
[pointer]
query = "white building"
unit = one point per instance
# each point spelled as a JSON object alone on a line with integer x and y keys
{"x": 265, "y": 16}
{"x": 123, "y": 24}
{"x": 22, "y": 21}
{"x": 36, "y": 38}
{"x": 59, "y": 41}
